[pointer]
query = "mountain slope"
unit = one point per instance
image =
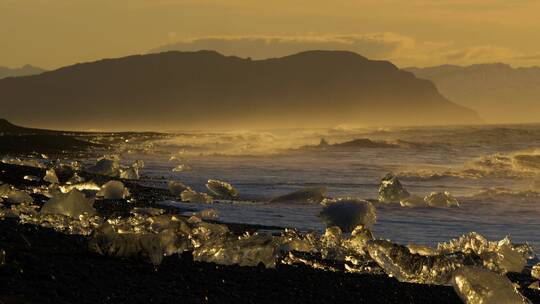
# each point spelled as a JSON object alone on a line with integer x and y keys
{"x": 22, "y": 71}
{"x": 207, "y": 90}
{"x": 498, "y": 92}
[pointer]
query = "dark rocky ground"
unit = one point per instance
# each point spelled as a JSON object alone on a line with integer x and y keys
{"x": 44, "y": 266}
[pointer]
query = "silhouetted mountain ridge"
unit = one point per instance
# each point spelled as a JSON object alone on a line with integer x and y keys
{"x": 497, "y": 91}
{"x": 25, "y": 70}
{"x": 205, "y": 89}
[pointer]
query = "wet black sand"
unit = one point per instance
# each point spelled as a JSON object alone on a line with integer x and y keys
{"x": 44, "y": 266}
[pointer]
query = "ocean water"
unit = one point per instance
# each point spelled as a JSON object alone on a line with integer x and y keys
{"x": 494, "y": 171}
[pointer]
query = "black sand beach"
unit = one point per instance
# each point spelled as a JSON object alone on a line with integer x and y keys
{"x": 44, "y": 266}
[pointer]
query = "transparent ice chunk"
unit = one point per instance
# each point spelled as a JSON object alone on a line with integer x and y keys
{"x": 358, "y": 240}
{"x": 292, "y": 240}
{"x": 422, "y": 249}
{"x": 331, "y": 242}
{"x": 413, "y": 201}
{"x": 147, "y": 211}
{"x": 107, "y": 241}
{"x": 348, "y": 213}
{"x": 441, "y": 199}
{"x": 80, "y": 186}
{"x": 399, "y": 262}
{"x": 129, "y": 173}
{"x": 75, "y": 179}
{"x": 50, "y": 176}
{"x": 207, "y": 214}
{"x": 221, "y": 189}
{"x": 113, "y": 190}
{"x": 5, "y": 189}
{"x": 23, "y": 162}
{"x": 71, "y": 204}
{"x": 32, "y": 178}
{"x": 391, "y": 190}
{"x": 15, "y": 196}
{"x": 247, "y": 250}
{"x": 535, "y": 271}
{"x": 132, "y": 172}
{"x": 501, "y": 256}
{"x": 306, "y": 195}
{"x": 182, "y": 168}
{"x": 196, "y": 197}
{"x": 476, "y": 285}
{"x": 176, "y": 188}
{"x": 105, "y": 166}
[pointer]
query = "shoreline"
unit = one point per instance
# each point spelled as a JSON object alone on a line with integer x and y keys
{"x": 45, "y": 266}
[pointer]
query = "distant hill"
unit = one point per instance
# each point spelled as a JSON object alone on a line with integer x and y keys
{"x": 17, "y": 139}
{"x": 498, "y": 92}
{"x": 203, "y": 90}
{"x": 7, "y": 128}
{"x": 22, "y": 71}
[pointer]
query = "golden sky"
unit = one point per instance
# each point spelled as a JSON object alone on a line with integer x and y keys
{"x": 54, "y": 33}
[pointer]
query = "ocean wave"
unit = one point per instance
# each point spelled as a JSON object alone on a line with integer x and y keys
{"x": 500, "y": 193}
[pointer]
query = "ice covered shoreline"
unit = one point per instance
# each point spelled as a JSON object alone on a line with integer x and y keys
{"x": 114, "y": 219}
{"x": 51, "y": 244}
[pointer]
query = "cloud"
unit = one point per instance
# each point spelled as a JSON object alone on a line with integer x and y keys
{"x": 529, "y": 57}
{"x": 376, "y": 45}
{"x": 399, "y": 49}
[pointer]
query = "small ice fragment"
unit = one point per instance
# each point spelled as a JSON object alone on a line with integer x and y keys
{"x": 501, "y": 256}
{"x": 221, "y": 189}
{"x": 195, "y": 197}
{"x": 535, "y": 285}
{"x": 176, "y": 188}
{"x": 247, "y": 250}
{"x": 139, "y": 164}
{"x": 194, "y": 219}
{"x": 412, "y": 201}
{"x": 357, "y": 243}
{"x": 71, "y": 204}
{"x": 129, "y": 173}
{"x": 441, "y": 199}
{"x": 105, "y": 166}
{"x": 182, "y": 168}
{"x": 422, "y": 249}
{"x": 476, "y": 285}
{"x": 208, "y": 214}
{"x": 391, "y": 190}
{"x": 25, "y": 162}
{"x": 113, "y": 190}
{"x": 347, "y": 213}
{"x": 106, "y": 241}
{"x": 18, "y": 197}
{"x": 75, "y": 179}
{"x": 5, "y": 189}
{"x": 32, "y": 178}
{"x": 147, "y": 211}
{"x": 133, "y": 171}
{"x": 535, "y": 271}
{"x": 292, "y": 240}
{"x": 307, "y": 195}
{"x": 50, "y": 176}
{"x": 331, "y": 242}
{"x": 80, "y": 186}
{"x": 399, "y": 262}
